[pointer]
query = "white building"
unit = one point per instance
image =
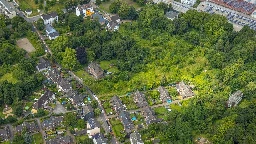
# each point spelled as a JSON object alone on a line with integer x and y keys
{"x": 235, "y": 98}
{"x": 188, "y": 2}
{"x": 7, "y": 9}
{"x": 50, "y": 18}
{"x": 84, "y": 10}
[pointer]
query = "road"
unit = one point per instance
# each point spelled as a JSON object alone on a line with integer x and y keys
{"x": 40, "y": 129}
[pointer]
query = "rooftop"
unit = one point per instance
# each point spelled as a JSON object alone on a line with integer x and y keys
{"x": 50, "y": 15}
{"x": 172, "y": 14}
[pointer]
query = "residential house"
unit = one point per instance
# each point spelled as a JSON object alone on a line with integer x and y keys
{"x": 99, "y": 139}
{"x": 117, "y": 104}
{"x": 164, "y": 95}
{"x": 77, "y": 99}
{"x": 8, "y": 9}
{"x": 52, "y": 122}
{"x": 93, "y": 127}
{"x": 114, "y": 23}
{"x": 30, "y": 127}
{"x": 184, "y": 90}
{"x": 140, "y": 99}
{"x": 43, "y": 64}
{"x": 60, "y": 140}
{"x": 125, "y": 118}
{"x": 235, "y": 98}
{"x": 188, "y": 2}
{"x": 44, "y": 100}
{"x": 86, "y": 112}
{"x": 5, "y": 134}
{"x": 84, "y": 10}
{"x": 51, "y": 32}
{"x": 95, "y": 70}
{"x": 49, "y": 18}
{"x": 99, "y": 17}
{"x": 149, "y": 115}
{"x": 135, "y": 138}
{"x": 172, "y": 14}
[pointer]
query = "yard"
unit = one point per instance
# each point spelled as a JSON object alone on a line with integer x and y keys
{"x": 28, "y": 4}
{"x": 105, "y": 5}
{"x": 128, "y": 101}
{"x": 109, "y": 66}
{"x": 118, "y": 128}
{"x": 161, "y": 112}
{"x": 139, "y": 118}
{"x": 153, "y": 97}
{"x": 38, "y": 138}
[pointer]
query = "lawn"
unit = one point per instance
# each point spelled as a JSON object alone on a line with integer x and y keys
{"x": 81, "y": 138}
{"x": 6, "y": 142}
{"x": 9, "y": 77}
{"x": 118, "y": 128}
{"x": 28, "y": 4}
{"x": 105, "y": 5}
{"x": 38, "y": 138}
{"x": 161, "y": 112}
{"x": 109, "y": 66}
{"x": 129, "y": 102}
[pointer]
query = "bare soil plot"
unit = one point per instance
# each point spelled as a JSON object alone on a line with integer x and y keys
{"x": 26, "y": 45}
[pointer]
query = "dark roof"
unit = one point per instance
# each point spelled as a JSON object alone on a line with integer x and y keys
{"x": 115, "y": 18}
{"x": 4, "y": 134}
{"x": 135, "y": 138}
{"x": 99, "y": 138}
{"x": 98, "y": 17}
{"x": 78, "y": 98}
{"x": 31, "y": 127}
{"x": 95, "y": 69}
{"x": 52, "y": 122}
{"x": 54, "y": 34}
{"x": 172, "y": 14}
{"x": 81, "y": 132}
{"x": 60, "y": 140}
{"x": 49, "y": 29}
{"x": 7, "y": 5}
{"x": 84, "y": 6}
{"x": 149, "y": 115}
{"x": 50, "y": 15}
{"x": 41, "y": 101}
{"x": 43, "y": 64}
{"x": 87, "y": 109}
{"x": 93, "y": 123}
{"x": 19, "y": 128}
{"x": 140, "y": 99}
{"x": 184, "y": 90}
{"x": 126, "y": 120}
{"x": 112, "y": 24}
{"x": 164, "y": 95}
{"x": 28, "y": 10}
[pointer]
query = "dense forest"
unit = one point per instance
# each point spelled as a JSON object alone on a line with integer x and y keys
{"x": 197, "y": 47}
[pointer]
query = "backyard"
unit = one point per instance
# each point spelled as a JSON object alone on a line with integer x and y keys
{"x": 161, "y": 112}
{"x": 29, "y": 4}
{"x": 38, "y": 138}
{"x": 118, "y": 128}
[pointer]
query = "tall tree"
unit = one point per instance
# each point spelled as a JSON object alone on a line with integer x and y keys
{"x": 69, "y": 60}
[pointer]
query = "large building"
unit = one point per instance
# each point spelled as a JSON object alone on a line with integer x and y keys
{"x": 7, "y": 9}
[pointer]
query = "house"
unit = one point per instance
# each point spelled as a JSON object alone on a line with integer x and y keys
{"x": 28, "y": 12}
{"x": 78, "y": 99}
{"x": 60, "y": 140}
{"x": 188, "y": 2}
{"x": 99, "y": 139}
{"x": 114, "y": 23}
{"x": 49, "y": 18}
{"x": 125, "y": 118}
{"x": 95, "y": 70}
{"x": 235, "y": 98}
{"x": 61, "y": 131}
{"x": 51, "y": 32}
{"x": 117, "y": 104}
{"x": 43, "y": 64}
{"x": 164, "y": 95}
{"x": 86, "y": 112}
{"x": 149, "y": 115}
{"x": 30, "y": 127}
{"x": 5, "y": 134}
{"x": 140, "y": 100}
{"x": 99, "y": 17}
{"x": 172, "y": 14}
{"x": 52, "y": 122}
{"x": 184, "y": 90}
{"x": 135, "y": 138}
{"x": 84, "y": 10}
{"x": 93, "y": 127}
{"x": 44, "y": 100}
{"x": 8, "y": 9}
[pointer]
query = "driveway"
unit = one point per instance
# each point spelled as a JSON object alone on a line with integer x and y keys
{"x": 59, "y": 108}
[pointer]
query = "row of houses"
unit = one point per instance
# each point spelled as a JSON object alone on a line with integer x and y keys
{"x": 87, "y": 10}
{"x": 93, "y": 131}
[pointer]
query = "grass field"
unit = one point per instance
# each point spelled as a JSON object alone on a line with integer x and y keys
{"x": 161, "y": 112}
{"x": 9, "y": 77}
{"x": 6, "y": 142}
{"x": 105, "y": 5}
{"x": 117, "y": 127}
{"x": 38, "y": 138}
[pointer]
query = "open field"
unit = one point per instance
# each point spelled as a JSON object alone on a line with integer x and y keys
{"x": 26, "y": 45}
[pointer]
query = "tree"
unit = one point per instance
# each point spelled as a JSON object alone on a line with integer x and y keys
{"x": 97, "y": 112}
{"x": 69, "y": 59}
{"x": 81, "y": 123}
{"x": 81, "y": 55}
{"x": 94, "y": 104}
{"x": 98, "y": 2}
{"x": 115, "y": 6}
{"x": 36, "y": 1}
{"x": 70, "y": 119}
{"x": 40, "y": 24}
{"x": 18, "y": 110}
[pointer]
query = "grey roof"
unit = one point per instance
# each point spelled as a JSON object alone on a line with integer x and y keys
{"x": 98, "y": 17}
{"x": 19, "y": 128}
{"x": 3, "y": 134}
{"x": 28, "y": 10}
{"x": 115, "y": 18}
{"x": 164, "y": 95}
{"x": 95, "y": 69}
{"x": 31, "y": 127}
{"x": 41, "y": 101}
{"x": 87, "y": 109}
{"x": 149, "y": 115}
{"x": 43, "y": 64}
{"x": 99, "y": 138}
{"x": 78, "y": 98}
{"x": 60, "y": 140}
{"x": 52, "y": 122}
{"x": 113, "y": 24}
{"x": 135, "y": 138}
{"x": 184, "y": 90}
{"x": 84, "y": 6}
{"x": 49, "y": 29}
{"x": 140, "y": 99}
{"x": 117, "y": 104}
{"x": 126, "y": 120}
{"x": 235, "y": 98}
{"x": 54, "y": 34}
{"x": 93, "y": 123}
{"x": 50, "y": 15}
{"x": 7, "y": 5}
{"x": 172, "y": 14}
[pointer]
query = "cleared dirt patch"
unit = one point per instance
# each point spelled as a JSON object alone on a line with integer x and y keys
{"x": 26, "y": 45}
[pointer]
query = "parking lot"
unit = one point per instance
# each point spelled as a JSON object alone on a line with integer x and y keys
{"x": 236, "y": 18}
